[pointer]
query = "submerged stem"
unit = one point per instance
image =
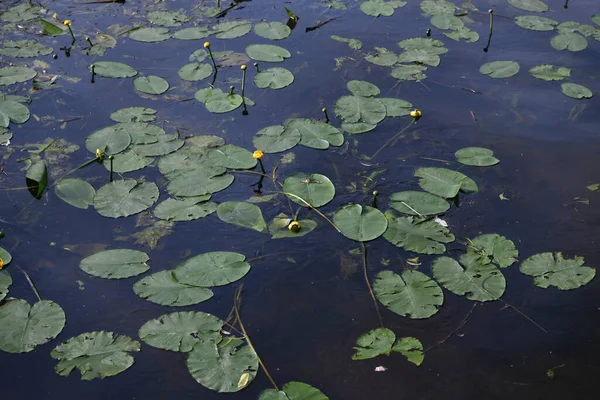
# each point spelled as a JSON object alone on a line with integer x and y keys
{"x": 33, "y": 287}
{"x": 364, "y": 259}
{"x": 314, "y": 209}
{"x": 412, "y": 121}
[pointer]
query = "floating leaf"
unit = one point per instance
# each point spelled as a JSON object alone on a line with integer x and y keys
{"x": 37, "y": 178}
{"x": 115, "y": 264}
{"x": 469, "y": 278}
{"x": 193, "y": 33}
{"x": 314, "y": 189}
{"x": 12, "y": 111}
{"x": 360, "y": 223}
{"x": 21, "y": 13}
{"x": 217, "y": 268}
{"x": 279, "y": 227}
{"x": 553, "y": 270}
{"x": 576, "y": 91}
{"x": 421, "y": 237}
{"x": 476, "y": 156}
{"x": 198, "y": 181}
{"x": 396, "y": 107}
{"x": 383, "y": 57}
{"x": 535, "y": 23}
{"x": 5, "y": 282}
{"x": 275, "y": 139}
{"x": 420, "y": 57}
{"x": 110, "y": 69}
{"x": 127, "y": 162}
{"x": 411, "y": 348}
{"x": 125, "y": 197}
{"x": 10, "y": 75}
{"x": 267, "y": 52}
{"x": 433, "y": 7}
{"x": 151, "y": 84}
{"x": 362, "y": 88}
{"x": 167, "y": 18}
{"x": 446, "y": 21}
{"x": 195, "y": 72}
{"x": 293, "y": 391}
{"x": 134, "y": 114}
{"x": 569, "y": 41}
{"x": 223, "y": 102}
{"x": 24, "y": 48}
{"x": 352, "y": 43}
{"x": 219, "y": 367}
{"x": 231, "y": 156}
{"x": 315, "y": 134}
{"x": 22, "y": 327}
{"x": 5, "y": 257}
{"x": 166, "y": 144}
{"x": 569, "y": 27}
{"x": 180, "y": 331}
{"x": 430, "y": 45}
{"x": 463, "y": 33}
{"x": 596, "y": 19}
{"x": 242, "y": 214}
{"x": 95, "y": 355}
{"x": 418, "y": 203}
{"x": 499, "y": 69}
{"x": 150, "y": 35}
{"x": 75, "y": 192}
{"x": 410, "y": 72}
{"x": 357, "y": 108}
{"x": 111, "y": 140}
{"x": 358, "y": 127}
{"x": 199, "y": 55}
{"x": 186, "y": 209}
{"x": 493, "y": 248}
{"x": 232, "y": 29}
{"x": 444, "y": 182}
{"x": 549, "y": 72}
{"x": 529, "y": 5}
{"x": 162, "y": 288}
{"x": 375, "y": 8}
{"x": 412, "y": 294}
{"x": 272, "y": 30}
{"x": 273, "y": 78}
{"x": 374, "y": 343}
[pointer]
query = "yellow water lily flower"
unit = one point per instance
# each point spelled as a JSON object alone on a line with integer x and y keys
{"x": 1, "y": 263}
{"x": 206, "y": 45}
{"x": 416, "y": 114}
{"x": 294, "y": 226}
{"x": 243, "y": 67}
{"x": 99, "y": 154}
{"x": 258, "y": 154}
{"x": 67, "y": 22}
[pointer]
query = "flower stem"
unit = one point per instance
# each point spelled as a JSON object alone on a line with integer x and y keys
{"x": 212, "y": 58}
{"x": 243, "y": 82}
{"x": 491, "y": 12}
{"x": 412, "y": 121}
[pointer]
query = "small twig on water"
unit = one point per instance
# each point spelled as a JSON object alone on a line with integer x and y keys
{"x": 507, "y": 305}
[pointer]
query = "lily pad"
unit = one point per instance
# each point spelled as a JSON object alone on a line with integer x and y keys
{"x": 374, "y": 343}
{"x": 167, "y": 18}
{"x": 115, "y": 264}
{"x": 232, "y": 29}
{"x": 223, "y": 102}
{"x": 411, "y": 348}
{"x": 150, "y": 35}
{"x": 134, "y": 114}
{"x": 413, "y": 235}
{"x": 267, "y": 52}
{"x": 434, "y": 7}
{"x": 166, "y": 144}
{"x": 185, "y": 209}
{"x": 125, "y": 197}
{"x": 75, "y": 192}
{"x": 151, "y": 84}
{"x": 23, "y": 328}
{"x": 576, "y": 91}
{"x": 352, "y": 43}
{"x": 396, "y": 107}
{"x": 420, "y": 56}
{"x": 444, "y": 182}
{"x": 11, "y": 75}
{"x": 37, "y": 178}
{"x": 493, "y": 248}
{"x": 412, "y": 294}
{"x": 193, "y": 33}
{"x": 535, "y": 23}
{"x": 549, "y": 72}
{"x": 110, "y": 69}
{"x": 446, "y": 21}
{"x": 362, "y": 88}
{"x": 12, "y": 111}
{"x": 418, "y": 203}
{"x": 95, "y": 355}
{"x": 469, "y": 278}
{"x": 21, "y": 13}
{"x": 231, "y": 156}
{"x": 529, "y": 5}
{"x": 5, "y": 283}
{"x": 272, "y": 30}
{"x": 569, "y": 41}
{"x": 198, "y": 180}
{"x": 127, "y": 162}
{"x": 111, "y": 140}
{"x": 500, "y": 69}
{"x": 293, "y": 391}
{"x": 314, "y": 189}
{"x": 353, "y": 109}
{"x": 360, "y": 223}
{"x": 315, "y": 134}
{"x": 553, "y": 270}
{"x": 428, "y": 44}
{"x": 375, "y": 8}
{"x": 24, "y": 48}
{"x": 217, "y": 268}
{"x": 273, "y": 78}
{"x": 463, "y": 33}
{"x": 276, "y": 138}
{"x": 162, "y": 288}
{"x": 279, "y": 227}
{"x": 195, "y": 72}
{"x": 476, "y": 156}
{"x": 383, "y": 57}
{"x": 409, "y": 72}
{"x": 220, "y": 366}
{"x": 243, "y": 214}
{"x": 358, "y": 127}
{"x": 180, "y": 331}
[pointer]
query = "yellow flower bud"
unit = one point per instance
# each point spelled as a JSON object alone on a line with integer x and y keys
{"x": 258, "y": 154}
{"x": 99, "y": 154}
{"x": 294, "y": 226}
{"x": 67, "y": 22}
{"x": 243, "y": 67}
{"x": 206, "y": 45}
{"x": 1, "y": 263}
{"x": 416, "y": 114}
{"x": 55, "y": 16}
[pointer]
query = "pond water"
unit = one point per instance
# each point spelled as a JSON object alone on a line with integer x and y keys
{"x": 305, "y": 303}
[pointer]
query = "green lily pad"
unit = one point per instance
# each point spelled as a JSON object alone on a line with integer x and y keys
{"x": 314, "y": 189}
{"x": 446, "y": 21}
{"x": 125, "y": 197}
{"x": 12, "y": 111}
{"x": 411, "y": 348}
{"x": 24, "y": 48}
{"x": 493, "y": 248}
{"x": 11, "y": 75}
{"x": 220, "y": 367}
{"x": 267, "y": 52}
{"x": 278, "y": 227}
{"x": 23, "y": 328}
{"x": 231, "y": 156}
{"x": 353, "y": 109}
{"x": 418, "y": 203}
{"x": 151, "y": 84}
{"x": 469, "y": 278}
{"x": 434, "y": 7}
{"x": 243, "y": 214}
{"x": 273, "y": 78}
{"x": 360, "y": 223}
{"x": 569, "y": 41}
{"x": 383, "y": 57}
{"x": 37, "y": 178}
{"x": 127, "y": 162}
{"x": 276, "y": 138}
{"x": 232, "y": 29}
{"x": 576, "y": 91}
{"x": 219, "y": 103}
{"x": 444, "y": 182}
{"x": 110, "y": 69}
{"x": 374, "y": 343}
{"x": 115, "y": 264}
{"x": 111, "y": 140}
{"x": 5, "y": 283}
{"x": 375, "y": 8}
{"x": 95, "y": 355}
{"x": 185, "y": 209}
{"x": 354, "y": 44}
{"x": 166, "y": 144}
{"x": 553, "y": 270}
{"x": 535, "y": 23}
{"x": 499, "y": 69}
{"x": 549, "y": 72}
{"x": 476, "y": 156}
{"x": 596, "y": 19}
{"x": 150, "y": 35}
{"x": 427, "y": 44}
{"x": 409, "y": 72}
{"x": 396, "y": 107}
{"x": 413, "y": 235}
{"x": 21, "y": 13}
{"x": 197, "y": 180}
{"x": 412, "y": 294}
{"x": 293, "y": 391}
{"x": 134, "y": 114}
{"x": 75, "y": 192}
{"x": 420, "y": 56}
{"x": 167, "y": 18}
{"x": 162, "y": 288}
{"x": 199, "y": 55}
{"x": 463, "y": 33}
{"x": 195, "y": 72}
{"x": 358, "y": 127}
{"x": 217, "y": 268}
{"x": 575, "y": 27}
{"x": 272, "y": 30}
{"x": 5, "y": 138}
{"x": 315, "y": 134}
{"x": 529, "y": 5}
{"x": 180, "y": 331}
{"x": 193, "y": 33}
{"x": 362, "y": 88}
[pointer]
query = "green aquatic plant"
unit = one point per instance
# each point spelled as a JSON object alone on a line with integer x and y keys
{"x": 487, "y": 46}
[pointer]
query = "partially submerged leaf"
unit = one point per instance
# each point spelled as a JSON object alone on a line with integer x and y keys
{"x": 75, "y": 192}
{"x": 293, "y": 391}
{"x": 374, "y": 343}
{"x": 167, "y": 18}
{"x": 243, "y": 214}
{"x": 115, "y": 264}
{"x": 37, "y": 178}
{"x": 411, "y": 348}
{"x": 553, "y": 270}
{"x": 549, "y": 72}
{"x": 134, "y": 114}
{"x": 24, "y": 48}
{"x": 352, "y": 43}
